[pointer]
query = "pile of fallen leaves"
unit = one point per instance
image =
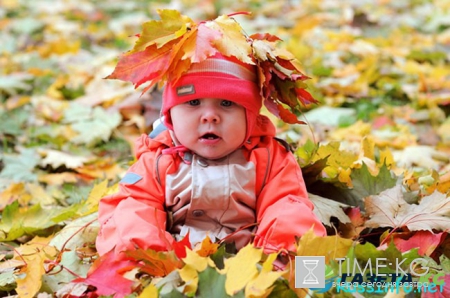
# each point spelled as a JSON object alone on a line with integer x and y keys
{"x": 375, "y": 153}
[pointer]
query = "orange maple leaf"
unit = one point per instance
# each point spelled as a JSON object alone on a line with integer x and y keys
{"x": 140, "y": 67}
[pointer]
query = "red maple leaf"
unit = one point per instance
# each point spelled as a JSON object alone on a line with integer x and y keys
{"x": 426, "y": 241}
{"x": 180, "y": 247}
{"x": 106, "y": 276}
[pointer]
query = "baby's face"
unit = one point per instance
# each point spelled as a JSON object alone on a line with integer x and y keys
{"x": 210, "y": 127}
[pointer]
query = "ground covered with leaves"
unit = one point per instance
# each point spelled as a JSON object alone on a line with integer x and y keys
{"x": 375, "y": 153}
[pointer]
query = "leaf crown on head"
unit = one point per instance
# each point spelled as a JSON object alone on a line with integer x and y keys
{"x": 166, "y": 48}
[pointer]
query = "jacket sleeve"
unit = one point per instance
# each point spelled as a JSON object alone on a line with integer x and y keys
{"x": 283, "y": 208}
{"x": 134, "y": 217}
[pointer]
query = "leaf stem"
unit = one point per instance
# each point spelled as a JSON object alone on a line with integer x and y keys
{"x": 16, "y": 251}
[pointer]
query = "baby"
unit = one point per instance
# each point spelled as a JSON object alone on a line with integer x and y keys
{"x": 217, "y": 171}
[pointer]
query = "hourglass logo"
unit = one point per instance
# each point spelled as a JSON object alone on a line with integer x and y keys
{"x": 310, "y": 272}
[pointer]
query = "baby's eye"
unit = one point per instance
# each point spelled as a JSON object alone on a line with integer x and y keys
{"x": 226, "y": 103}
{"x": 194, "y": 102}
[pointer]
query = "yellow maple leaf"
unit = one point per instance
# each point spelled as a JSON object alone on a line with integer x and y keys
{"x": 189, "y": 273}
{"x": 386, "y": 157}
{"x": 171, "y": 26}
{"x": 101, "y": 169}
{"x": 34, "y": 253}
{"x": 15, "y": 191}
{"x": 261, "y": 286}
{"x": 337, "y": 160}
{"x": 241, "y": 269}
{"x": 310, "y": 244}
{"x": 190, "y": 276}
{"x": 233, "y": 42}
{"x": 97, "y": 192}
{"x": 331, "y": 247}
{"x": 197, "y": 262}
{"x": 58, "y": 179}
{"x": 149, "y": 292}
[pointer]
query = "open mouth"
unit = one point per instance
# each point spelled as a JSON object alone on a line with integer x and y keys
{"x": 210, "y": 136}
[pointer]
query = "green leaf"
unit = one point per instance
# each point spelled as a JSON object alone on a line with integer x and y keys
{"x": 20, "y": 167}
{"x": 212, "y": 284}
{"x": 83, "y": 119}
{"x": 282, "y": 290}
{"x": 367, "y": 251}
{"x": 13, "y": 83}
{"x": 365, "y": 184}
{"x": 219, "y": 256}
{"x": 12, "y": 122}
{"x": 311, "y": 173}
{"x": 7, "y": 280}
{"x": 17, "y": 221}
{"x": 76, "y": 234}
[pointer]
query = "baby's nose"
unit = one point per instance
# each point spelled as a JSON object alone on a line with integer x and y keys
{"x": 210, "y": 116}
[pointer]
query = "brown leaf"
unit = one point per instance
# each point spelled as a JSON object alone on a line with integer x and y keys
{"x": 389, "y": 209}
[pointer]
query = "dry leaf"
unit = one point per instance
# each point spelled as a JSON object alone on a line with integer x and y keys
{"x": 34, "y": 253}
{"x": 389, "y": 209}
{"x": 327, "y": 208}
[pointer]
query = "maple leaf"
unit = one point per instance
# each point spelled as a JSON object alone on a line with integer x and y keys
{"x": 212, "y": 284}
{"x": 355, "y": 227}
{"x": 74, "y": 236}
{"x": 241, "y": 269}
{"x": 189, "y": 273}
{"x": 181, "y": 246}
{"x": 12, "y": 122}
{"x": 13, "y": 192}
{"x": 365, "y": 184}
{"x": 200, "y": 46}
{"x": 20, "y": 167}
{"x": 82, "y": 119}
{"x": 233, "y": 42}
{"x": 156, "y": 263}
{"x": 324, "y": 209}
{"x": 34, "y": 253}
{"x": 150, "y": 291}
{"x": 171, "y": 26}
{"x": 261, "y": 285}
{"x": 207, "y": 247}
{"x": 389, "y": 209}
{"x": 287, "y": 116}
{"x": 105, "y": 277}
{"x": 55, "y": 159}
{"x": 140, "y": 67}
{"x": 331, "y": 247}
{"x": 18, "y": 221}
{"x": 426, "y": 241}
{"x": 176, "y": 65}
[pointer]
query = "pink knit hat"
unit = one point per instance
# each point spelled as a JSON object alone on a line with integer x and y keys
{"x": 216, "y": 77}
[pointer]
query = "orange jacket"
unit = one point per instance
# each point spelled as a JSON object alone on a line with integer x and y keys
{"x": 152, "y": 203}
